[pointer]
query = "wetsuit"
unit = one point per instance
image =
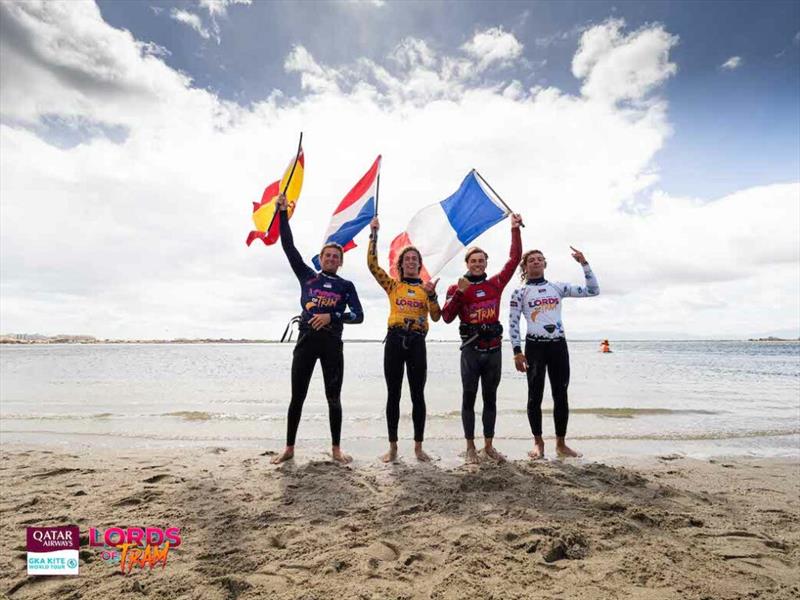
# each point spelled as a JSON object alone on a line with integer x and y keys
{"x": 320, "y": 293}
{"x": 478, "y": 308}
{"x": 409, "y": 307}
{"x": 539, "y": 301}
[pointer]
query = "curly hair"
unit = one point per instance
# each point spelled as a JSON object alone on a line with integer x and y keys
{"x": 523, "y": 274}
{"x": 398, "y": 263}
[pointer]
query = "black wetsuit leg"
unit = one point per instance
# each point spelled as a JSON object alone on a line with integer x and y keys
{"x": 331, "y": 357}
{"x": 491, "y": 370}
{"x": 304, "y": 359}
{"x": 393, "y": 367}
{"x": 417, "y": 373}
{"x": 558, "y": 372}
{"x": 470, "y": 375}
{"x": 535, "y": 355}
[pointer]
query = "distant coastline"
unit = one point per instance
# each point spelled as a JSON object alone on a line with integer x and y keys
{"x": 35, "y": 338}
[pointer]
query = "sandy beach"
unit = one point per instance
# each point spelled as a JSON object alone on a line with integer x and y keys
{"x": 667, "y": 527}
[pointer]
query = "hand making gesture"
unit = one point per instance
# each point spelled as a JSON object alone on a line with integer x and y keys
{"x": 430, "y": 287}
{"x": 578, "y": 255}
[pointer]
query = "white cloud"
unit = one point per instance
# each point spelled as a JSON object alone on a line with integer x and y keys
{"x": 616, "y": 66}
{"x": 415, "y": 73}
{"x": 192, "y": 20}
{"x": 217, "y": 8}
{"x": 144, "y": 237}
{"x": 734, "y": 62}
{"x": 493, "y": 46}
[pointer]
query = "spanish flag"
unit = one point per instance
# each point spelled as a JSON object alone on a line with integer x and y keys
{"x": 267, "y": 226}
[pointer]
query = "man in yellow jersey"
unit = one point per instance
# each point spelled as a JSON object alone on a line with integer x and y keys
{"x": 410, "y": 303}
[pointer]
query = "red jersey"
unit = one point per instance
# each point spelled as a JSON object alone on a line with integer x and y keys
{"x": 479, "y": 304}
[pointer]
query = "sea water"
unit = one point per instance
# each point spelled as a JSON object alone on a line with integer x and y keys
{"x": 694, "y": 398}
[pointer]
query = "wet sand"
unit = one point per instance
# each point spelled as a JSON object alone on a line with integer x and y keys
{"x": 668, "y": 527}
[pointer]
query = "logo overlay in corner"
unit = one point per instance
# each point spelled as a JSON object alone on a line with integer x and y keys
{"x": 53, "y": 550}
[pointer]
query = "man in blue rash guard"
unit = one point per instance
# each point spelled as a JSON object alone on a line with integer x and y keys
{"x": 324, "y": 297}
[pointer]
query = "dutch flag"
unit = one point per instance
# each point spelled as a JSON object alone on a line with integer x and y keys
{"x": 442, "y": 230}
{"x": 354, "y": 212}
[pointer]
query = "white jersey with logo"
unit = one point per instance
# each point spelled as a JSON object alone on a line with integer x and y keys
{"x": 541, "y": 305}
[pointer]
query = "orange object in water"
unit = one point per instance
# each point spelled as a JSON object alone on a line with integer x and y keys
{"x": 604, "y": 347}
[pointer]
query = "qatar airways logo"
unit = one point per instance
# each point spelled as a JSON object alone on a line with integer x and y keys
{"x": 53, "y": 550}
{"x": 135, "y": 547}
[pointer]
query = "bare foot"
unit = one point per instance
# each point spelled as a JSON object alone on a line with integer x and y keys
{"x": 421, "y": 455}
{"x": 287, "y": 454}
{"x": 537, "y": 452}
{"x": 472, "y": 456}
{"x": 492, "y": 453}
{"x": 391, "y": 455}
{"x": 565, "y": 451}
{"x": 339, "y": 456}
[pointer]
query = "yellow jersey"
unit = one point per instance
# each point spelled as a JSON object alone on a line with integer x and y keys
{"x": 409, "y": 304}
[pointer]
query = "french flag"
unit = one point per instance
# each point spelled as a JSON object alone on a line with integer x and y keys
{"x": 354, "y": 212}
{"x": 442, "y": 230}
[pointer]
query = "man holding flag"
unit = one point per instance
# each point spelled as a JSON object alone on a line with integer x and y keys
{"x": 324, "y": 298}
{"x": 475, "y": 299}
{"x": 410, "y": 303}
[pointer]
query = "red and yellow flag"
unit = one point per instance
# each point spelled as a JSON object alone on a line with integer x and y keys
{"x": 264, "y": 211}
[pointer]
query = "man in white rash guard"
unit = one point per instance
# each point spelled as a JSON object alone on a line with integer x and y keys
{"x": 545, "y": 345}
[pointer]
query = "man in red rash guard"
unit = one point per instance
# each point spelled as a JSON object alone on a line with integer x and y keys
{"x": 475, "y": 299}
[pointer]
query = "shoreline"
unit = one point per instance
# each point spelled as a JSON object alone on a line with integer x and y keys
{"x": 657, "y": 528}
{"x": 447, "y": 451}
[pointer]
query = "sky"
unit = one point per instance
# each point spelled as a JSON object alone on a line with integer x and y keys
{"x": 660, "y": 138}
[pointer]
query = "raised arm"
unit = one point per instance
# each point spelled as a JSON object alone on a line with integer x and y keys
{"x": 514, "y": 254}
{"x": 381, "y": 276}
{"x": 301, "y": 270}
{"x": 591, "y": 287}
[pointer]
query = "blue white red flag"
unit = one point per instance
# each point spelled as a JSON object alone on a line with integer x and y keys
{"x": 354, "y": 212}
{"x": 442, "y": 230}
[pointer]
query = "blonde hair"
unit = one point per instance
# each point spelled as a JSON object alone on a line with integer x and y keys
{"x": 399, "y": 262}
{"x": 335, "y": 246}
{"x": 472, "y": 250}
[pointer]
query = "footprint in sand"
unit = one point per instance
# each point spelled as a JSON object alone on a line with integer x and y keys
{"x": 56, "y": 472}
{"x": 383, "y": 551}
{"x": 157, "y": 478}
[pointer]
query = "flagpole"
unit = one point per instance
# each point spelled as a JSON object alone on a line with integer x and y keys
{"x": 296, "y": 158}
{"x": 377, "y": 194}
{"x": 508, "y": 208}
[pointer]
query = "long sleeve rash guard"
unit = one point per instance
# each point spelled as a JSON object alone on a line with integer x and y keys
{"x": 409, "y": 304}
{"x": 540, "y": 302}
{"x": 320, "y": 292}
{"x": 479, "y": 304}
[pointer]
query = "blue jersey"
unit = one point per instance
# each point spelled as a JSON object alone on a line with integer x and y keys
{"x": 320, "y": 292}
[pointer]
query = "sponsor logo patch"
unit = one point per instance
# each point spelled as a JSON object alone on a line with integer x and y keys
{"x": 135, "y": 547}
{"x": 53, "y": 550}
